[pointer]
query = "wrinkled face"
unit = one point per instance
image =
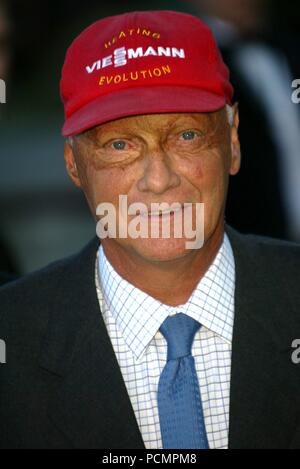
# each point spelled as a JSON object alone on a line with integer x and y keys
{"x": 185, "y": 157}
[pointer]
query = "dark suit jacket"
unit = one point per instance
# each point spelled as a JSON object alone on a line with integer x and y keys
{"x": 61, "y": 386}
{"x": 6, "y": 277}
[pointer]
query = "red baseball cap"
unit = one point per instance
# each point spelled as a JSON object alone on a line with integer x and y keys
{"x": 142, "y": 62}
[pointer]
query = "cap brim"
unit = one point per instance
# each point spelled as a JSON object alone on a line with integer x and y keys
{"x": 139, "y": 101}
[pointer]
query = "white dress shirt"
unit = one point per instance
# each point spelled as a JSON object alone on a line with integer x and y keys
{"x": 133, "y": 319}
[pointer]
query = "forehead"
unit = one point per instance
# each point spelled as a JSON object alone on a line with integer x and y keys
{"x": 161, "y": 122}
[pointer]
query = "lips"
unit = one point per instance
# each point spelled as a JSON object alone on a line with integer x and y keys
{"x": 161, "y": 213}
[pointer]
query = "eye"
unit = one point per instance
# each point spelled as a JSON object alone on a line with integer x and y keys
{"x": 189, "y": 135}
{"x": 119, "y": 145}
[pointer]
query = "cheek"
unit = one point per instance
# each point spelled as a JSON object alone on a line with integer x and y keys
{"x": 217, "y": 177}
{"x": 208, "y": 175}
{"x": 105, "y": 185}
{"x": 198, "y": 169}
{"x": 208, "y": 167}
{"x": 207, "y": 170}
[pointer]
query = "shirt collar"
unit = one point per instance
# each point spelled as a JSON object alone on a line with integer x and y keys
{"x": 138, "y": 316}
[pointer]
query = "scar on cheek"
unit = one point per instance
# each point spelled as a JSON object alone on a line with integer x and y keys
{"x": 198, "y": 170}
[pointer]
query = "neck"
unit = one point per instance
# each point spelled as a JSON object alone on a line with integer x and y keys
{"x": 171, "y": 282}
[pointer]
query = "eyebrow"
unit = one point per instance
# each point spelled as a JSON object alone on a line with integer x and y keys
{"x": 175, "y": 121}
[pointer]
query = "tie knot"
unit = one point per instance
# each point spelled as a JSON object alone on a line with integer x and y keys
{"x": 179, "y": 332}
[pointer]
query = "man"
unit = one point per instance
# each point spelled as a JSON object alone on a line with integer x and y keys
{"x": 145, "y": 341}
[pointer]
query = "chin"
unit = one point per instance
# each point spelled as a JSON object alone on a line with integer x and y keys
{"x": 161, "y": 249}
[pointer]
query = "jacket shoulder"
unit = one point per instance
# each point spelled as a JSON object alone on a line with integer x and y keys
{"x": 30, "y": 295}
{"x": 265, "y": 247}
{"x": 271, "y": 265}
{"x": 276, "y": 253}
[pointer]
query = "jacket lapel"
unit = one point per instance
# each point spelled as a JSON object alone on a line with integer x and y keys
{"x": 262, "y": 401}
{"x": 88, "y": 399}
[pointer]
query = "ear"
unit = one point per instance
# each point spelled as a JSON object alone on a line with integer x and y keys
{"x": 71, "y": 164}
{"x": 235, "y": 143}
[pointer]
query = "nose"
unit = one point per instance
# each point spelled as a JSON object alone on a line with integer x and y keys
{"x": 158, "y": 175}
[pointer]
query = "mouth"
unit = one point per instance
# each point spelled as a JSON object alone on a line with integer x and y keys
{"x": 162, "y": 213}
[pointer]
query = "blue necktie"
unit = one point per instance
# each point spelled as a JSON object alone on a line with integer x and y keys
{"x": 179, "y": 402}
